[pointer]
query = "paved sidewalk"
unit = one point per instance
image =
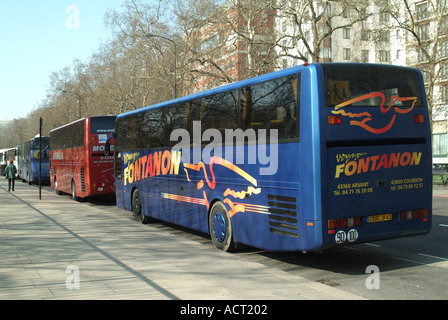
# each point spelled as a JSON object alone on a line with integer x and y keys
{"x": 44, "y": 243}
{"x": 440, "y": 191}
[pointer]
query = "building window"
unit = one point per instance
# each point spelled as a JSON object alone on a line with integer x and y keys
{"x": 444, "y": 72}
{"x": 324, "y": 8}
{"x": 325, "y": 53}
{"x": 365, "y": 55}
{"x": 347, "y": 54}
{"x": 307, "y": 36}
{"x": 421, "y": 55}
{"x": 323, "y": 30}
{"x": 384, "y": 36}
{"x": 209, "y": 43}
{"x": 264, "y": 17}
{"x": 444, "y": 26}
{"x": 384, "y": 17}
{"x": 346, "y": 33}
{"x": 444, "y": 93}
{"x": 444, "y": 49}
{"x": 365, "y": 34}
{"x": 423, "y": 31}
{"x": 425, "y": 74}
{"x": 439, "y": 145}
{"x": 422, "y": 11}
{"x": 384, "y": 56}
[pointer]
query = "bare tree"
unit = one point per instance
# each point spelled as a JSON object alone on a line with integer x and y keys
{"x": 426, "y": 26}
{"x": 224, "y": 41}
{"x": 306, "y": 26}
{"x": 252, "y": 25}
{"x": 148, "y": 61}
{"x": 203, "y": 40}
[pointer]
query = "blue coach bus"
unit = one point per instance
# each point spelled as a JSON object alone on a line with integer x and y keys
{"x": 29, "y": 159}
{"x": 307, "y": 158}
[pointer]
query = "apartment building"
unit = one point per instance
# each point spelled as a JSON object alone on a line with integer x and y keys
{"x": 334, "y": 31}
{"x": 234, "y": 45}
{"x": 431, "y": 56}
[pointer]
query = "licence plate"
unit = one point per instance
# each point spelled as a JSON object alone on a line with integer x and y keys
{"x": 380, "y": 218}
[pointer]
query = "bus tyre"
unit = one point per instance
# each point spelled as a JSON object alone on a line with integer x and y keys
{"x": 137, "y": 208}
{"x": 56, "y": 187}
{"x": 220, "y": 227}
{"x": 74, "y": 196}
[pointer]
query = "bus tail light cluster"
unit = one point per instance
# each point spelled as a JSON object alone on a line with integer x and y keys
{"x": 415, "y": 214}
{"x": 100, "y": 184}
{"x": 334, "y": 120}
{"x": 343, "y": 223}
{"x": 418, "y": 118}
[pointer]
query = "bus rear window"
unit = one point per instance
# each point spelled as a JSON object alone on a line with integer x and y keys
{"x": 367, "y": 85}
{"x": 103, "y": 125}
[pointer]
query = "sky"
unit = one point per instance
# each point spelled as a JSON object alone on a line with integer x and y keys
{"x": 39, "y": 37}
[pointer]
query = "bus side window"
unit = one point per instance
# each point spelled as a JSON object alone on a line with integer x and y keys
{"x": 246, "y": 107}
{"x": 219, "y": 111}
{"x": 272, "y": 105}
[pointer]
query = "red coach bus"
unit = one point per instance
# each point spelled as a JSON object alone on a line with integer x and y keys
{"x": 78, "y": 165}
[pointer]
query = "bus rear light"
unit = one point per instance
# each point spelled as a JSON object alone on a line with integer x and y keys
{"x": 418, "y": 118}
{"x": 334, "y": 120}
{"x": 406, "y": 215}
{"x": 343, "y": 223}
{"x": 415, "y": 214}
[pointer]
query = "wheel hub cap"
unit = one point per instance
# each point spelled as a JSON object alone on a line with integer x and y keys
{"x": 219, "y": 227}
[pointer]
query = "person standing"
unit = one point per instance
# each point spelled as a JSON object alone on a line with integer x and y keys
{"x": 10, "y": 173}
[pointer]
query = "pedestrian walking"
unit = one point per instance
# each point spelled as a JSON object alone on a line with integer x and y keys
{"x": 10, "y": 173}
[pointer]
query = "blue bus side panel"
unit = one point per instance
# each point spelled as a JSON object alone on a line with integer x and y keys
{"x": 270, "y": 211}
{"x": 45, "y": 168}
{"x": 280, "y": 211}
{"x": 265, "y": 212}
{"x": 273, "y": 218}
{"x": 29, "y": 169}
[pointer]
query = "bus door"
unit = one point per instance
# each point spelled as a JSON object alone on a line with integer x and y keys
{"x": 118, "y": 177}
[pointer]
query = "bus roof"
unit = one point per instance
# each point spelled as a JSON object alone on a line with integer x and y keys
{"x": 82, "y": 119}
{"x": 250, "y": 81}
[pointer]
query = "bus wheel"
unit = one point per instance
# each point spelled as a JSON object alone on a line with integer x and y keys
{"x": 137, "y": 208}
{"x": 74, "y": 197}
{"x": 220, "y": 227}
{"x": 56, "y": 187}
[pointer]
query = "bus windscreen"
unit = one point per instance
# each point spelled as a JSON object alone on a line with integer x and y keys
{"x": 102, "y": 125}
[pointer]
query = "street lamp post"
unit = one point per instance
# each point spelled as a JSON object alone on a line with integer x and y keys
{"x": 150, "y": 35}
{"x": 40, "y": 158}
